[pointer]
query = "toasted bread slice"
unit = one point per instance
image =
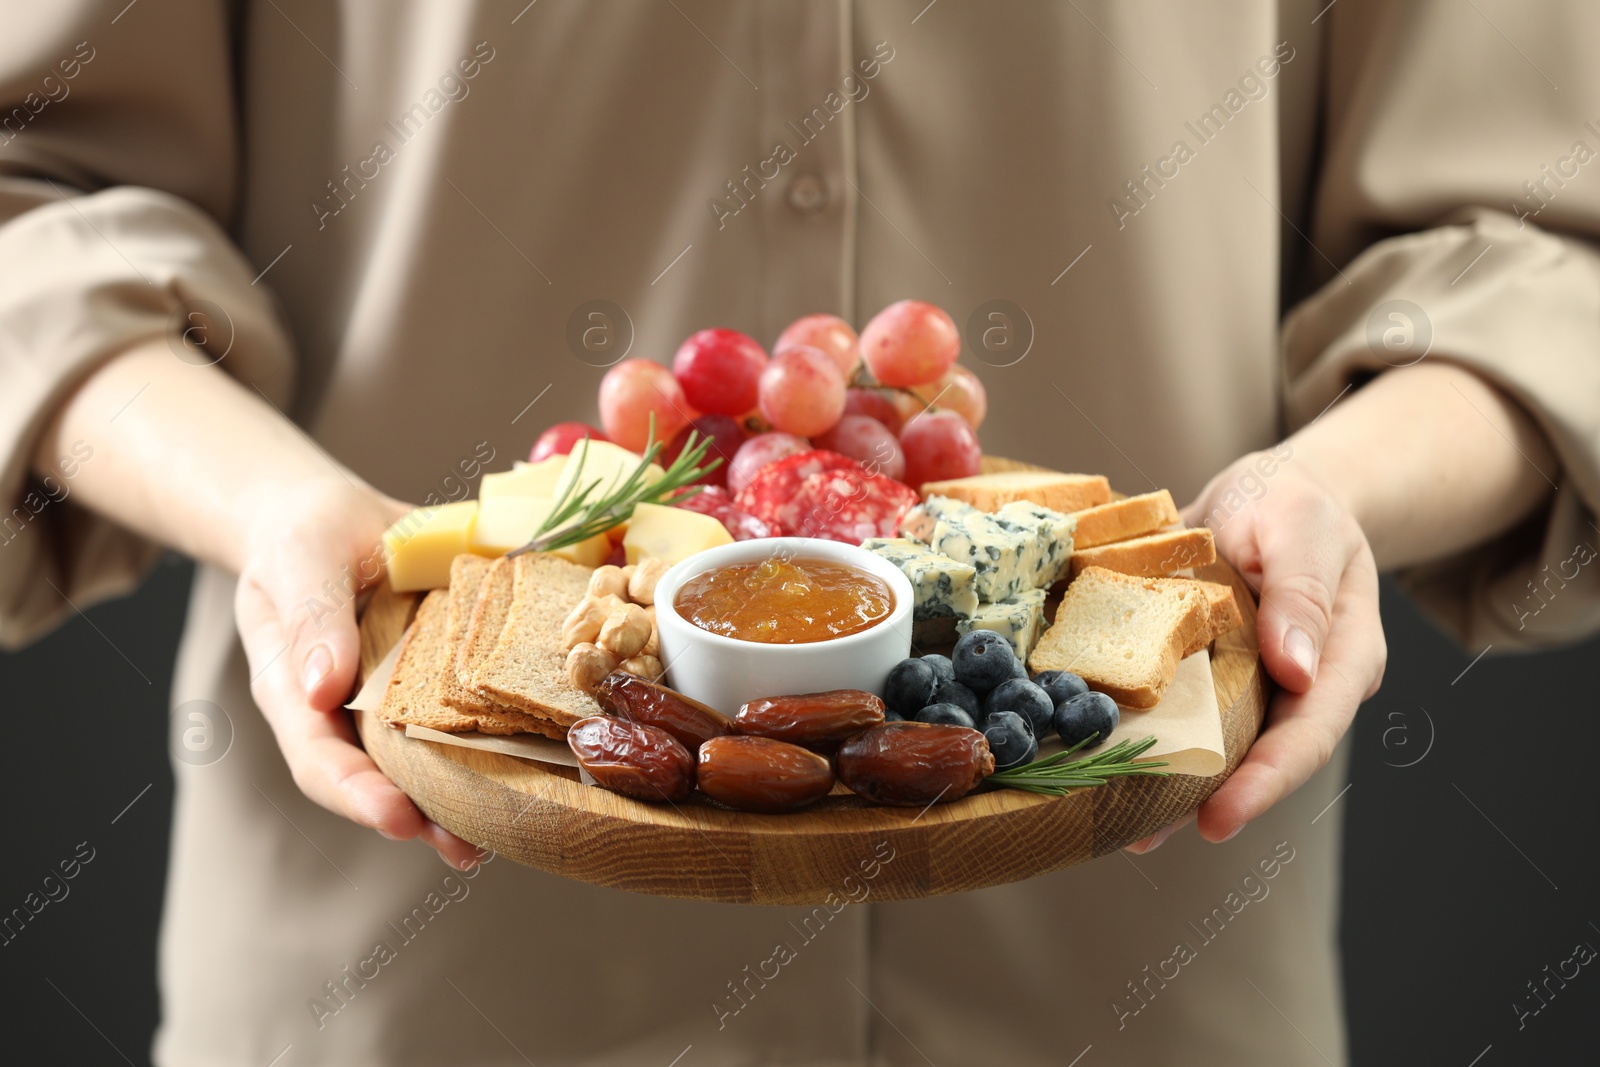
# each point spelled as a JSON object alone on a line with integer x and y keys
{"x": 1153, "y": 555}
{"x": 413, "y": 692}
{"x": 1051, "y": 489}
{"x": 1224, "y": 614}
{"x": 1123, "y": 635}
{"x": 467, "y": 574}
{"x": 1119, "y": 520}
{"x": 527, "y": 668}
{"x": 484, "y": 623}
{"x": 411, "y": 696}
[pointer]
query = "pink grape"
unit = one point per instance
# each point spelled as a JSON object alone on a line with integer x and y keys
{"x": 802, "y": 391}
{"x": 907, "y": 406}
{"x": 560, "y": 439}
{"x": 726, "y": 437}
{"x": 939, "y": 445}
{"x": 829, "y": 333}
{"x": 630, "y": 393}
{"x": 868, "y": 442}
{"x": 959, "y": 390}
{"x": 910, "y": 343}
{"x": 757, "y": 452}
{"x": 875, "y": 403}
{"x": 720, "y": 371}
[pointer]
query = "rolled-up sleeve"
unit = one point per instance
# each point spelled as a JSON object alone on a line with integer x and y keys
{"x": 1460, "y": 194}
{"x": 117, "y": 183}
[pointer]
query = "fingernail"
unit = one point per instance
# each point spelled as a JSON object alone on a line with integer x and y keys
{"x": 391, "y": 837}
{"x": 319, "y": 664}
{"x": 1298, "y": 647}
{"x": 1159, "y": 839}
{"x": 1235, "y": 833}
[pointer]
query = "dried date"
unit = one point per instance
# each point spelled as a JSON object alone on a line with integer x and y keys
{"x": 641, "y": 700}
{"x": 913, "y": 764}
{"x": 632, "y": 758}
{"x": 815, "y": 720}
{"x": 760, "y": 774}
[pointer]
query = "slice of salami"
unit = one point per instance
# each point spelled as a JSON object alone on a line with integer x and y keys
{"x": 769, "y": 495}
{"x": 708, "y": 501}
{"x": 850, "y": 505}
{"x": 715, "y": 501}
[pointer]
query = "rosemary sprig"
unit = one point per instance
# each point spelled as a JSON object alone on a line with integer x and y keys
{"x": 578, "y": 516}
{"x": 1055, "y": 774}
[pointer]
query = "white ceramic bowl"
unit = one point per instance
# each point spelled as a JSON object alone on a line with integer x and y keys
{"x": 725, "y": 672}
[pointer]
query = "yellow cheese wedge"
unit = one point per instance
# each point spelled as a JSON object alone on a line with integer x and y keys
{"x": 422, "y": 543}
{"x": 525, "y": 479}
{"x": 604, "y": 462}
{"x": 507, "y": 522}
{"x": 671, "y": 534}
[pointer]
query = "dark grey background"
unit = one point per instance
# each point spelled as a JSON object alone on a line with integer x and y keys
{"x": 1450, "y": 909}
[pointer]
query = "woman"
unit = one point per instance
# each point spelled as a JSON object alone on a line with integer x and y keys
{"x": 278, "y": 267}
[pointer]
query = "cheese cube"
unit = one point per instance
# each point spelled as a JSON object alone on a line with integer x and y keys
{"x": 526, "y": 479}
{"x": 1002, "y": 553}
{"x": 941, "y": 587}
{"x": 591, "y": 553}
{"x": 420, "y": 546}
{"x": 1054, "y": 530}
{"x": 508, "y": 522}
{"x": 671, "y": 534}
{"x": 1018, "y": 619}
{"x": 606, "y": 463}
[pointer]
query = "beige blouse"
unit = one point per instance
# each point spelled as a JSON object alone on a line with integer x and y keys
{"x": 1171, "y": 232}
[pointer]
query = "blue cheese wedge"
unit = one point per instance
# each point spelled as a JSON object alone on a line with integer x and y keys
{"x": 943, "y": 588}
{"x": 1054, "y": 530}
{"x": 918, "y": 522}
{"x": 1018, "y": 619}
{"x": 1004, "y": 553}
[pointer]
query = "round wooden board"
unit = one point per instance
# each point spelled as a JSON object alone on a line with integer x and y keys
{"x": 540, "y": 814}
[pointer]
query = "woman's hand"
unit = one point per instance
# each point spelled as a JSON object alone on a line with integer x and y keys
{"x": 303, "y": 647}
{"x": 1418, "y": 464}
{"x": 1320, "y": 635}
{"x": 211, "y": 468}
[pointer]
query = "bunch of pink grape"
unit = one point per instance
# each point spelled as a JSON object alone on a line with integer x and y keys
{"x": 893, "y": 398}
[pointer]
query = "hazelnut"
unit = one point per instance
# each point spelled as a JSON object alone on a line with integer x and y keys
{"x": 587, "y": 664}
{"x": 643, "y": 665}
{"x": 608, "y": 580}
{"x": 583, "y": 624}
{"x": 642, "y": 586}
{"x": 625, "y": 632}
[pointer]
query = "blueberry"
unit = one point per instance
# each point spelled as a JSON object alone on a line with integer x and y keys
{"x": 1060, "y": 686}
{"x": 942, "y": 667}
{"x": 982, "y": 660}
{"x": 948, "y": 714}
{"x": 1019, "y": 669}
{"x": 910, "y": 686}
{"x": 1024, "y": 698}
{"x": 893, "y": 716}
{"x": 955, "y": 693}
{"x": 1010, "y": 739}
{"x": 1084, "y": 715}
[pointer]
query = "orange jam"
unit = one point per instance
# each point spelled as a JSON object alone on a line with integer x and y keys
{"x": 785, "y": 601}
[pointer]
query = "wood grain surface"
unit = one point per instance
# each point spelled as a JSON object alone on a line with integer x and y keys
{"x": 540, "y": 815}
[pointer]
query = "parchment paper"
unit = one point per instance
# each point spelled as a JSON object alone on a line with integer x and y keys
{"x": 1187, "y": 724}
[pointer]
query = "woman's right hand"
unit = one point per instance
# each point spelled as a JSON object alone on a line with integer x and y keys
{"x": 304, "y": 647}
